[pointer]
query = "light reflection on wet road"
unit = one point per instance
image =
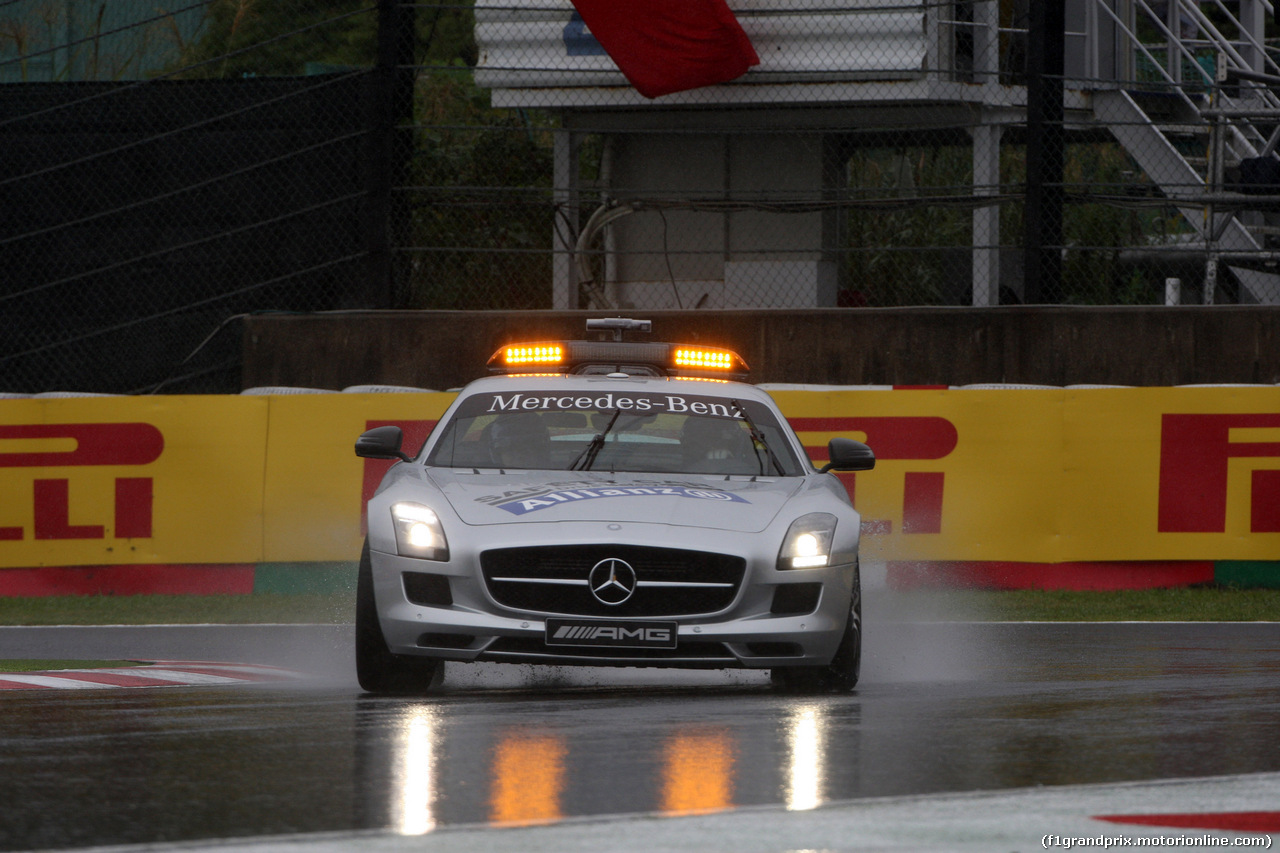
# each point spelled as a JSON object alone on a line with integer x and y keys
{"x": 941, "y": 708}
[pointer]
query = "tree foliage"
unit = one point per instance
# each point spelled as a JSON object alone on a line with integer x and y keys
{"x": 482, "y": 207}
{"x": 240, "y": 38}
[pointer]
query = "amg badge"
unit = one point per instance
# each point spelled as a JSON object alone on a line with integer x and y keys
{"x": 616, "y": 633}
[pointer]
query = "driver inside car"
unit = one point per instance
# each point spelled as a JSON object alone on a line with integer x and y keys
{"x": 717, "y": 446}
{"x": 520, "y": 440}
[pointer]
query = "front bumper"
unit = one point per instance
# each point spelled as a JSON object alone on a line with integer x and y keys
{"x": 752, "y": 631}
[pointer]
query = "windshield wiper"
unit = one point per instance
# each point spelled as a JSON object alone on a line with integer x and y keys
{"x": 589, "y": 453}
{"x": 757, "y": 440}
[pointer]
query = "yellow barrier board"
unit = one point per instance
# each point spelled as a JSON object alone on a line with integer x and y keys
{"x": 314, "y": 481}
{"x": 122, "y": 480}
{"x": 1059, "y": 475}
{"x": 1028, "y": 475}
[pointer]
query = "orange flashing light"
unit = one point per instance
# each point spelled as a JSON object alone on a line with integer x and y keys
{"x": 704, "y": 358}
{"x": 631, "y": 357}
{"x": 533, "y": 354}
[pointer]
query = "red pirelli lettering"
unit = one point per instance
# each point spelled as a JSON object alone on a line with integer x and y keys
{"x": 52, "y": 505}
{"x": 1194, "y": 455}
{"x": 133, "y": 508}
{"x": 922, "y": 437}
{"x": 90, "y": 445}
{"x": 907, "y": 438}
{"x": 95, "y": 444}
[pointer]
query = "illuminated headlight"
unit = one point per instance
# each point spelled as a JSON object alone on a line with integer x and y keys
{"x": 808, "y": 542}
{"x": 418, "y": 532}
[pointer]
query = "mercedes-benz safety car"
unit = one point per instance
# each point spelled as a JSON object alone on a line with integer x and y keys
{"x": 611, "y": 503}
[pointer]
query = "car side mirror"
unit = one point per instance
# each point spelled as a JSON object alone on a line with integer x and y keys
{"x": 382, "y": 443}
{"x": 845, "y": 454}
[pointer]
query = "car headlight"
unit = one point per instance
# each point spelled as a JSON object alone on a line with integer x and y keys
{"x": 808, "y": 542}
{"x": 418, "y": 532}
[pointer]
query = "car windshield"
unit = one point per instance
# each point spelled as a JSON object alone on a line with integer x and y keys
{"x": 613, "y": 431}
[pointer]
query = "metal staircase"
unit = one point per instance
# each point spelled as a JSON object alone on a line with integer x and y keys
{"x": 1206, "y": 136}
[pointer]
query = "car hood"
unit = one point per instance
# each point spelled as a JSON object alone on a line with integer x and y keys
{"x": 688, "y": 500}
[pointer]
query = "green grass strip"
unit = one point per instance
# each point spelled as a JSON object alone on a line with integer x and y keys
{"x": 332, "y": 608}
{"x": 53, "y": 665}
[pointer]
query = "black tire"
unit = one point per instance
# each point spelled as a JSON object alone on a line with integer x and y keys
{"x": 839, "y": 676}
{"x": 377, "y": 669}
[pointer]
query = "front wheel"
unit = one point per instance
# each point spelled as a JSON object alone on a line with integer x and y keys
{"x": 839, "y": 676}
{"x": 377, "y": 669}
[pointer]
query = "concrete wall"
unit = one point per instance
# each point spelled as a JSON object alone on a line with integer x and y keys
{"x": 1047, "y": 345}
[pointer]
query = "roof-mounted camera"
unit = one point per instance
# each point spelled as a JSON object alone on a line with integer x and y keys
{"x": 618, "y": 325}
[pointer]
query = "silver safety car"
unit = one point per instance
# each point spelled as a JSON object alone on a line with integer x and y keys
{"x": 611, "y": 503}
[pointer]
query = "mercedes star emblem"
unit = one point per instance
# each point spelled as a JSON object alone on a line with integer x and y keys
{"x": 612, "y": 581}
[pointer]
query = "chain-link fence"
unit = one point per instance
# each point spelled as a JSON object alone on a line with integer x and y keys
{"x": 163, "y": 172}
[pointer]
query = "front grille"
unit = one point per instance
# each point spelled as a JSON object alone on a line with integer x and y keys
{"x": 670, "y": 581}
{"x": 706, "y": 655}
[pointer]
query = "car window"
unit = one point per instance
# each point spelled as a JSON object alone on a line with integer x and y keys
{"x": 642, "y": 431}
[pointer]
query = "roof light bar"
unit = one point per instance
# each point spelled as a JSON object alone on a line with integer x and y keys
{"x": 616, "y": 356}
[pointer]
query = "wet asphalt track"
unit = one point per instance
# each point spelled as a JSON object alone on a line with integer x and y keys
{"x": 943, "y": 708}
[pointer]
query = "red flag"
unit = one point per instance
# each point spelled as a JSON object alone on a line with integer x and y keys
{"x": 665, "y": 46}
